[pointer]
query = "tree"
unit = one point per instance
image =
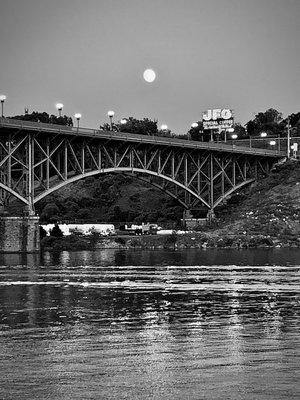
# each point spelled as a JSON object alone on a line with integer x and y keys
{"x": 143, "y": 126}
{"x": 43, "y": 232}
{"x": 240, "y": 131}
{"x": 268, "y": 121}
{"x": 294, "y": 121}
{"x": 198, "y": 133}
{"x": 252, "y": 128}
{"x": 50, "y": 212}
{"x": 45, "y": 118}
{"x": 56, "y": 231}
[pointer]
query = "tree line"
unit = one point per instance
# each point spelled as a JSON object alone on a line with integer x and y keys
{"x": 271, "y": 121}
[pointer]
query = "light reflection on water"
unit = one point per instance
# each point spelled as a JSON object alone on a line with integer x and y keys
{"x": 150, "y": 325}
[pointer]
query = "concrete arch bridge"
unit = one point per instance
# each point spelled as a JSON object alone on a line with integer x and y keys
{"x": 37, "y": 159}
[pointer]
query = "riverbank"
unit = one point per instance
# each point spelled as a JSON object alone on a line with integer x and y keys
{"x": 194, "y": 240}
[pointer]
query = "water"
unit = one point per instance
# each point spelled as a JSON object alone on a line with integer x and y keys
{"x": 214, "y": 324}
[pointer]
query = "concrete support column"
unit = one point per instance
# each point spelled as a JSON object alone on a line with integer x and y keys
{"x": 19, "y": 234}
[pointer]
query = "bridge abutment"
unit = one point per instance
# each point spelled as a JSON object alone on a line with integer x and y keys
{"x": 19, "y": 234}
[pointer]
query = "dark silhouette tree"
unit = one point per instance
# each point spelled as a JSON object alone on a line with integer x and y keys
{"x": 43, "y": 232}
{"x": 198, "y": 133}
{"x": 45, "y": 118}
{"x": 268, "y": 121}
{"x": 240, "y": 131}
{"x": 143, "y": 126}
{"x": 56, "y": 231}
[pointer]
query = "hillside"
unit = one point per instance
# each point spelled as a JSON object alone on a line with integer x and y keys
{"x": 270, "y": 207}
{"x": 109, "y": 198}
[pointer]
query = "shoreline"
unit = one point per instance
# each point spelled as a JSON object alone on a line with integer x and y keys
{"x": 195, "y": 240}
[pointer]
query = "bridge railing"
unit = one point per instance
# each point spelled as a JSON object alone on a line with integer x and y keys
{"x": 258, "y": 146}
{"x": 18, "y": 123}
{"x": 278, "y": 144}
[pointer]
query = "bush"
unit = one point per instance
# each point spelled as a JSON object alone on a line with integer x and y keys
{"x": 43, "y": 233}
{"x": 56, "y": 231}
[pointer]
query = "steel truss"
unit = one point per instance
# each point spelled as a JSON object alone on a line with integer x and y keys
{"x": 35, "y": 164}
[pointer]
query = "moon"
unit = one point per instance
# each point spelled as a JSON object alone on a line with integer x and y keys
{"x": 149, "y": 75}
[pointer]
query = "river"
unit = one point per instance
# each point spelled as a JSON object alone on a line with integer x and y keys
{"x": 111, "y": 324}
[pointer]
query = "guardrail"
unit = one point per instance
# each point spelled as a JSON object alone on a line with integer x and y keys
{"x": 230, "y": 146}
{"x": 278, "y": 144}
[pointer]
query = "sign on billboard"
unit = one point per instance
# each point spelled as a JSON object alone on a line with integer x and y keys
{"x": 217, "y": 119}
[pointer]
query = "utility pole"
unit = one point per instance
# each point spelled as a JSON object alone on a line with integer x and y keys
{"x": 288, "y": 139}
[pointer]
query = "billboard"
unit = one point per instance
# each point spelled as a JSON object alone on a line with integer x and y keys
{"x": 217, "y": 118}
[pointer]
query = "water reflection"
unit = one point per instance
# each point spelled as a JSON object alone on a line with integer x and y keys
{"x": 167, "y": 325}
{"x": 107, "y": 257}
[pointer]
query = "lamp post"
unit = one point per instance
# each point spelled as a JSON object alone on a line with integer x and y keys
{"x": 288, "y": 138}
{"x": 2, "y": 99}
{"x": 229, "y": 130}
{"x": 263, "y": 135}
{"x": 273, "y": 143}
{"x": 77, "y": 116}
{"x": 111, "y": 115}
{"x": 164, "y": 127}
{"x": 194, "y": 125}
{"x": 59, "y": 107}
{"x": 234, "y": 137}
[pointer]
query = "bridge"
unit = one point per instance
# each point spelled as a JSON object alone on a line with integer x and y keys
{"x": 37, "y": 159}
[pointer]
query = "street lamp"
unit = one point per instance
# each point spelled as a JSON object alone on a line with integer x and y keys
{"x": 234, "y": 137}
{"x": 111, "y": 115}
{"x": 164, "y": 127}
{"x": 123, "y": 121}
{"x": 2, "y": 99}
{"x": 59, "y": 107}
{"x": 77, "y": 116}
{"x": 288, "y": 138}
{"x": 194, "y": 125}
{"x": 273, "y": 143}
{"x": 229, "y": 130}
{"x": 263, "y": 134}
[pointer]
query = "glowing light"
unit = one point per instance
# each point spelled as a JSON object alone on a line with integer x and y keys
{"x": 77, "y": 116}
{"x": 2, "y": 97}
{"x": 194, "y": 125}
{"x": 234, "y": 136}
{"x": 164, "y": 127}
{"x": 123, "y": 121}
{"x": 272, "y": 142}
{"x": 111, "y": 113}
{"x": 59, "y": 106}
{"x": 149, "y": 75}
{"x": 263, "y": 134}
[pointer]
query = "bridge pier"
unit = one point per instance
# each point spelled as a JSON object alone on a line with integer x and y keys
{"x": 19, "y": 234}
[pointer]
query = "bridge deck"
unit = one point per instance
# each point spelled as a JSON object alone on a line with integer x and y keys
{"x": 7, "y": 124}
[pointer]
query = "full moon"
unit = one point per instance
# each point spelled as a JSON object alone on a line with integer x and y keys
{"x": 149, "y": 75}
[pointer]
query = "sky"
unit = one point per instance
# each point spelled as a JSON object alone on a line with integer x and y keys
{"x": 90, "y": 55}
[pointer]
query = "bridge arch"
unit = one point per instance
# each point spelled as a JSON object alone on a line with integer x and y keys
{"x": 125, "y": 170}
{"x": 234, "y": 189}
{"x": 14, "y": 193}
